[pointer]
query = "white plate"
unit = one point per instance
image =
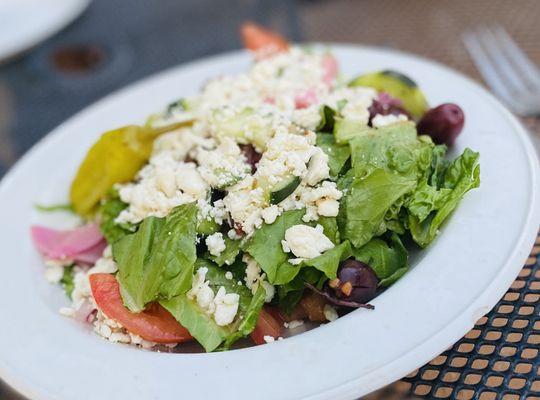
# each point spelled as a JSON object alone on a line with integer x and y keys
{"x": 25, "y": 23}
{"x": 454, "y": 282}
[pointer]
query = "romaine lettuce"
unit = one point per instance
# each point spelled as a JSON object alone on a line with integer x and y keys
{"x": 202, "y": 326}
{"x": 338, "y": 154}
{"x": 109, "y": 209}
{"x": 386, "y": 257}
{"x": 157, "y": 261}
{"x": 462, "y": 175}
{"x": 227, "y": 256}
{"x": 265, "y": 246}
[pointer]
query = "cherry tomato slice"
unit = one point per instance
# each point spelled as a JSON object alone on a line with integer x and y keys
{"x": 263, "y": 41}
{"x": 155, "y": 323}
{"x": 269, "y": 323}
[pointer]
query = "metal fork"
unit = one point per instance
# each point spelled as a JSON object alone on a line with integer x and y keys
{"x": 512, "y": 76}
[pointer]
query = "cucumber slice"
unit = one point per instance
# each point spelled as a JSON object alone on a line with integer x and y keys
{"x": 346, "y": 129}
{"x": 245, "y": 126}
{"x": 397, "y": 85}
{"x": 284, "y": 189}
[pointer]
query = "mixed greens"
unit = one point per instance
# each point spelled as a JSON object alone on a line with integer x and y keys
{"x": 224, "y": 273}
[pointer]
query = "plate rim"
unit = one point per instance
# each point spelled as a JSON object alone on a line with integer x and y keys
{"x": 496, "y": 288}
{"x": 37, "y": 37}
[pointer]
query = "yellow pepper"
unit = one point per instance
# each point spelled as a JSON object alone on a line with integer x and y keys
{"x": 115, "y": 158}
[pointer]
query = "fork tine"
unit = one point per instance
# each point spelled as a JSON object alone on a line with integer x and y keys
{"x": 485, "y": 66}
{"x": 520, "y": 59}
{"x": 501, "y": 61}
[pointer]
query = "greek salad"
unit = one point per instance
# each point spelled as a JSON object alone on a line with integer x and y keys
{"x": 284, "y": 194}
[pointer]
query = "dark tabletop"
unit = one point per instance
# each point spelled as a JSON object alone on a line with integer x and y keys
{"x": 118, "y": 42}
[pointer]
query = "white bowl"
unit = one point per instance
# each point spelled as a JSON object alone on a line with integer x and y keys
{"x": 452, "y": 283}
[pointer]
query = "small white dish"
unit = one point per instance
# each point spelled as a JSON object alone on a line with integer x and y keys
{"x": 26, "y": 23}
{"x": 452, "y": 283}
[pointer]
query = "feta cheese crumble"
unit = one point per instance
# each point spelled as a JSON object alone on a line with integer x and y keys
{"x": 384, "y": 120}
{"x": 215, "y": 244}
{"x": 305, "y": 242}
{"x": 268, "y": 338}
{"x": 330, "y": 313}
{"x": 255, "y": 277}
{"x": 222, "y": 306}
{"x": 161, "y": 185}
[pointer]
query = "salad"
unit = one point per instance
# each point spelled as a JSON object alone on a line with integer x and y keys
{"x": 284, "y": 194}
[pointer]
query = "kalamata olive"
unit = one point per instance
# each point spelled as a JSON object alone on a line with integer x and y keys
{"x": 385, "y": 104}
{"x": 355, "y": 282}
{"x": 252, "y": 156}
{"x": 443, "y": 123}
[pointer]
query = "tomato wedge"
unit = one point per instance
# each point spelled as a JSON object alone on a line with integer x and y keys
{"x": 269, "y": 323}
{"x": 155, "y": 323}
{"x": 261, "y": 40}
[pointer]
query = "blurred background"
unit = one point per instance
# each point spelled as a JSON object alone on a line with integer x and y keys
{"x": 108, "y": 44}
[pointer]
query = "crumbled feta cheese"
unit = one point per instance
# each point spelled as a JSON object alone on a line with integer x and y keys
{"x": 307, "y": 242}
{"x": 222, "y": 306}
{"x": 255, "y": 277}
{"x": 244, "y": 202}
{"x": 330, "y": 313}
{"x": 228, "y": 275}
{"x": 233, "y": 235}
{"x": 268, "y": 338}
{"x": 210, "y": 212}
{"x": 328, "y": 207}
{"x": 318, "y": 167}
{"x": 113, "y": 331}
{"x": 226, "y": 307}
{"x": 294, "y": 324}
{"x": 321, "y": 200}
{"x": 223, "y": 166}
{"x": 215, "y": 244}
{"x": 162, "y": 185}
{"x": 67, "y": 312}
{"x": 270, "y": 214}
{"x": 286, "y": 154}
{"x": 384, "y": 120}
{"x": 352, "y": 102}
{"x": 179, "y": 143}
{"x": 54, "y": 273}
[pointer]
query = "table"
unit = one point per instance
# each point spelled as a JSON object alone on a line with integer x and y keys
{"x": 115, "y": 43}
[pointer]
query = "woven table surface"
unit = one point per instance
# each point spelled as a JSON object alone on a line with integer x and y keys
{"x": 498, "y": 359}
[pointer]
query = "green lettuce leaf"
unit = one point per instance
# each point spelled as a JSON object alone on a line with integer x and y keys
{"x": 368, "y": 200}
{"x": 54, "y": 207}
{"x": 157, "y": 261}
{"x": 439, "y": 164}
{"x": 68, "y": 280}
{"x": 202, "y": 326}
{"x": 109, "y": 209}
{"x": 227, "y": 256}
{"x": 328, "y": 262}
{"x": 426, "y": 199}
{"x": 338, "y": 154}
{"x": 290, "y": 294}
{"x": 393, "y": 278}
{"x": 285, "y": 273}
{"x": 387, "y": 168}
{"x": 265, "y": 245}
{"x": 330, "y": 228}
{"x": 327, "y": 119}
{"x": 462, "y": 175}
{"x": 384, "y": 257}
